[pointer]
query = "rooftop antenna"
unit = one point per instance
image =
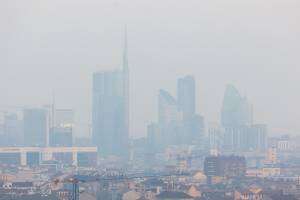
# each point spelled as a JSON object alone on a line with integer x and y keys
{"x": 125, "y": 53}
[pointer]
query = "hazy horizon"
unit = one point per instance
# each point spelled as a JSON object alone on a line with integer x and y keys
{"x": 56, "y": 46}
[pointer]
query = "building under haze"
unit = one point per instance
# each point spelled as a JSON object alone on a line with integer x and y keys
{"x": 110, "y": 123}
{"x": 170, "y": 119}
{"x": 236, "y": 111}
{"x": 225, "y": 166}
{"x": 240, "y": 134}
{"x": 178, "y": 122}
{"x": 64, "y": 118}
{"x": 193, "y": 123}
{"x": 186, "y": 97}
{"x": 12, "y": 131}
{"x": 61, "y": 137}
{"x": 35, "y": 127}
{"x": 154, "y": 138}
{"x": 61, "y": 134}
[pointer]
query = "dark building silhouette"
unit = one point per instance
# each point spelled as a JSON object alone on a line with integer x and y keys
{"x": 12, "y": 131}
{"x": 225, "y": 166}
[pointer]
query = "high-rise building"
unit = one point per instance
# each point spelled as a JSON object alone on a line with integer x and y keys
{"x": 154, "y": 138}
{"x": 13, "y": 130}
{"x": 194, "y": 130}
{"x": 235, "y": 138}
{"x": 186, "y": 97}
{"x": 215, "y": 137}
{"x": 170, "y": 119}
{"x": 61, "y": 134}
{"x": 35, "y": 127}
{"x": 240, "y": 133}
{"x": 64, "y": 118}
{"x": 167, "y": 109}
{"x": 257, "y": 139}
{"x": 236, "y": 111}
{"x": 110, "y": 125}
{"x": 61, "y": 137}
{"x": 177, "y": 118}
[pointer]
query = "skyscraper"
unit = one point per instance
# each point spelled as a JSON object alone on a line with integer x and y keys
{"x": 13, "y": 131}
{"x": 35, "y": 127}
{"x": 110, "y": 125}
{"x": 61, "y": 133}
{"x": 186, "y": 96}
{"x": 193, "y": 123}
{"x": 167, "y": 108}
{"x": 153, "y": 138}
{"x": 236, "y": 111}
{"x": 177, "y": 119}
{"x": 169, "y": 118}
{"x": 237, "y": 119}
{"x": 258, "y": 139}
{"x": 64, "y": 118}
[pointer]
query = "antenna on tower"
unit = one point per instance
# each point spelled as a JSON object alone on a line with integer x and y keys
{"x": 125, "y": 50}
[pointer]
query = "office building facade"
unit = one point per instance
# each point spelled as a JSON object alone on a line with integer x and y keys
{"x": 110, "y": 120}
{"x": 61, "y": 133}
{"x": 35, "y": 127}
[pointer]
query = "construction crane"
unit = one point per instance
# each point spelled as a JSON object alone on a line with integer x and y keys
{"x": 75, "y": 180}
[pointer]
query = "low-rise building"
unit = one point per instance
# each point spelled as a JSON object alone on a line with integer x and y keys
{"x": 34, "y": 156}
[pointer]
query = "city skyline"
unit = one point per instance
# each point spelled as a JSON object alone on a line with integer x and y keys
{"x": 69, "y": 54}
{"x": 149, "y": 100}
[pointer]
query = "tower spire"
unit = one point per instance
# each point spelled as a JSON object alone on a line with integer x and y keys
{"x": 125, "y": 53}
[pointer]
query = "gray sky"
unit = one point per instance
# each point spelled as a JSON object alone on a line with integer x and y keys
{"x": 57, "y": 45}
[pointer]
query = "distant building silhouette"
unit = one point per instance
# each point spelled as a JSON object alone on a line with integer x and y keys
{"x": 193, "y": 124}
{"x": 167, "y": 108}
{"x": 224, "y": 166}
{"x": 61, "y": 135}
{"x": 240, "y": 134}
{"x": 178, "y": 122}
{"x": 35, "y": 127}
{"x": 170, "y": 119}
{"x": 236, "y": 111}
{"x": 110, "y": 125}
{"x": 186, "y": 97}
{"x": 154, "y": 138}
{"x": 12, "y": 131}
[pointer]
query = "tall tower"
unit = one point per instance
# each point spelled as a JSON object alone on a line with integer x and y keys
{"x": 35, "y": 127}
{"x": 126, "y": 89}
{"x": 110, "y": 126}
{"x": 236, "y": 110}
{"x": 186, "y": 97}
{"x": 125, "y": 52}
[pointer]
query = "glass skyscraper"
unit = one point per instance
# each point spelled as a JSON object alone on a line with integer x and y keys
{"x": 236, "y": 110}
{"x": 240, "y": 134}
{"x": 110, "y": 120}
{"x": 35, "y": 127}
{"x": 186, "y": 97}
